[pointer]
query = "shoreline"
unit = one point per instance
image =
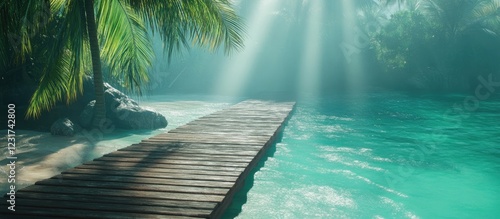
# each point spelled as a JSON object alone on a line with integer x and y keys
{"x": 41, "y": 155}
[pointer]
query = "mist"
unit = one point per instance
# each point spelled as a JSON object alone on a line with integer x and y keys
{"x": 291, "y": 49}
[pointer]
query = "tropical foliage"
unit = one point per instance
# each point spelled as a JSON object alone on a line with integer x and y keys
{"x": 430, "y": 42}
{"x": 63, "y": 32}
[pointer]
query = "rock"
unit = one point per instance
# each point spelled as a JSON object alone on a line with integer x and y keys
{"x": 63, "y": 127}
{"x": 124, "y": 112}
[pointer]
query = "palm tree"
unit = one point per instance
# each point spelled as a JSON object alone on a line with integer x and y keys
{"x": 114, "y": 32}
{"x": 461, "y": 22}
{"x": 463, "y": 16}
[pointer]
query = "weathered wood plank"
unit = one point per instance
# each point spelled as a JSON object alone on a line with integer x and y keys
{"x": 129, "y": 153}
{"x": 117, "y": 208}
{"x": 205, "y": 141}
{"x": 145, "y": 180}
{"x": 85, "y": 199}
{"x": 179, "y": 146}
{"x": 207, "y": 138}
{"x": 171, "y": 161}
{"x": 133, "y": 186}
{"x": 98, "y": 192}
{"x": 161, "y": 170}
{"x": 164, "y": 166}
{"x": 180, "y": 157}
{"x": 152, "y": 175}
{"x": 38, "y": 212}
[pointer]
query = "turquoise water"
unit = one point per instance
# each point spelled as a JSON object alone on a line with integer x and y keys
{"x": 380, "y": 156}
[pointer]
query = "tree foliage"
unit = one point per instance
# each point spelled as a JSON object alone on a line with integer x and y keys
{"x": 430, "y": 41}
{"x": 125, "y": 43}
{"x": 405, "y": 41}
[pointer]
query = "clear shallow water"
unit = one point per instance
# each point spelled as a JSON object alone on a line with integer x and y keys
{"x": 380, "y": 156}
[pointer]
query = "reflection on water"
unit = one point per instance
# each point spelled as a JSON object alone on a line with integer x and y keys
{"x": 377, "y": 156}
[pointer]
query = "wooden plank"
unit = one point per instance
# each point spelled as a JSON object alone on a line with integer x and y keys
{"x": 161, "y": 170}
{"x": 151, "y": 175}
{"x": 133, "y": 186}
{"x": 130, "y": 153}
{"x": 218, "y": 131}
{"x": 199, "y": 137}
{"x": 180, "y": 157}
{"x": 170, "y": 146}
{"x": 246, "y": 118}
{"x": 236, "y": 124}
{"x": 54, "y": 212}
{"x": 205, "y": 141}
{"x": 145, "y": 180}
{"x": 164, "y": 166}
{"x": 13, "y": 215}
{"x": 85, "y": 199}
{"x": 171, "y": 161}
{"x": 118, "y": 208}
{"x": 192, "y": 152}
{"x": 207, "y": 129}
{"x": 98, "y": 192}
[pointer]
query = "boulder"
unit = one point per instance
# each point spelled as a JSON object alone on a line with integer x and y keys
{"x": 124, "y": 112}
{"x": 63, "y": 127}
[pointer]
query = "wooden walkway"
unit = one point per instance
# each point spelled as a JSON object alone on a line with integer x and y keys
{"x": 192, "y": 171}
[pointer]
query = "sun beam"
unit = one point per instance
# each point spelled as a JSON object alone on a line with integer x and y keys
{"x": 356, "y": 40}
{"x": 236, "y": 69}
{"x": 310, "y": 70}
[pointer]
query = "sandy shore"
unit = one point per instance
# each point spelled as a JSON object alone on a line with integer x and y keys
{"x": 41, "y": 155}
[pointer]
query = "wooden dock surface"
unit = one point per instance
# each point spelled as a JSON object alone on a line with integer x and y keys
{"x": 192, "y": 171}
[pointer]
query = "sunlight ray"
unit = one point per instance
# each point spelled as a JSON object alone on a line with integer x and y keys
{"x": 237, "y": 68}
{"x": 310, "y": 70}
{"x": 357, "y": 41}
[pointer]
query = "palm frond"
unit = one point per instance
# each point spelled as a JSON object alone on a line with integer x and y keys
{"x": 62, "y": 77}
{"x": 19, "y": 22}
{"x": 486, "y": 16}
{"x": 227, "y": 25}
{"x": 126, "y": 46}
{"x": 52, "y": 87}
{"x": 207, "y": 23}
{"x": 461, "y": 16}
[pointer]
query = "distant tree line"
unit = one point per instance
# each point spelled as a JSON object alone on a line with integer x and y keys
{"x": 435, "y": 44}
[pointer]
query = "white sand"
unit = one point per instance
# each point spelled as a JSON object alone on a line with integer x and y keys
{"x": 41, "y": 155}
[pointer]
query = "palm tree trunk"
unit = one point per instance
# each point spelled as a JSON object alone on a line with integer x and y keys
{"x": 100, "y": 109}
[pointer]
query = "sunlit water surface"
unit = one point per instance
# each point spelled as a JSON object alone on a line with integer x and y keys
{"x": 380, "y": 156}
